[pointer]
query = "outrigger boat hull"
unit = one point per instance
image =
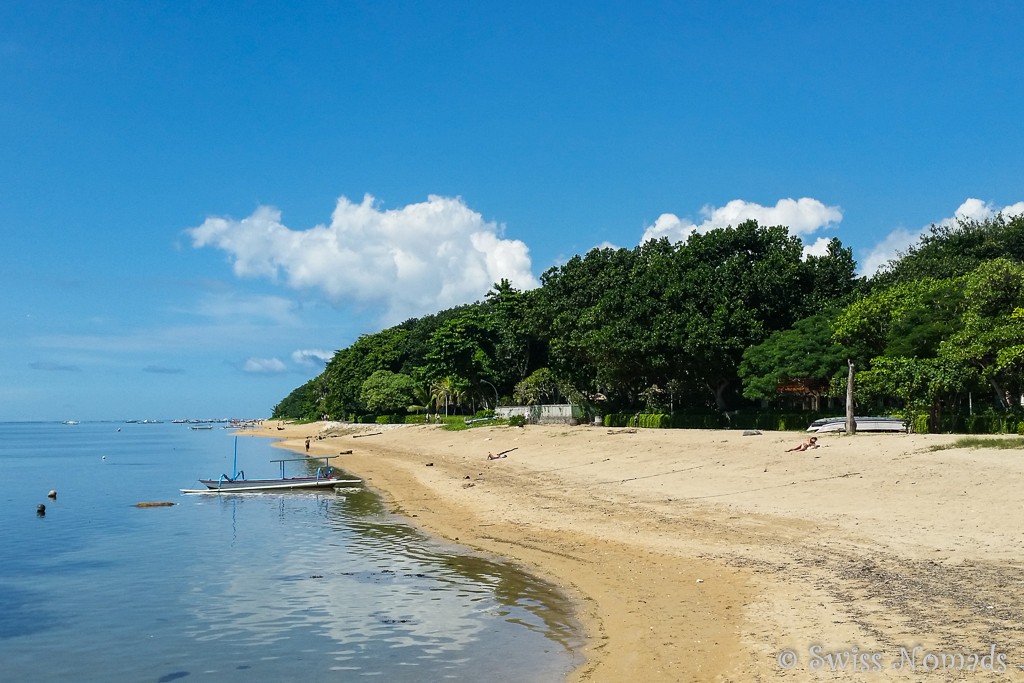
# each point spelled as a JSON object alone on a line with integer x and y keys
{"x": 256, "y": 485}
{"x": 237, "y": 483}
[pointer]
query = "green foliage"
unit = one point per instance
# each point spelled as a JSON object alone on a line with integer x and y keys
{"x": 991, "y": 331}
{"x": 386, "y": 391}
{"x": 301, "y": 404}
{"x": 642, "y": 420}
{"x": 987, "y": 422}
{"x": 907, "y": 318}
{"x": 621, "y": 322}
{"x": 676, "y": 331}
{"x": 448, "y": 391}
{"x": 542, "y": 386}
{"x": 517, "y": 421}
{"x": 803, "y": 353}
{"x": 953, "y": 250}
{"x": 656, "y": 421}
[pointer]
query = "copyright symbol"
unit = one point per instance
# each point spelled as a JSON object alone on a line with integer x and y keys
{"x": 786, "y": 659}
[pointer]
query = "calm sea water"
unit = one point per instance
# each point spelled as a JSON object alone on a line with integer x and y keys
{"x": 267, "y": 587}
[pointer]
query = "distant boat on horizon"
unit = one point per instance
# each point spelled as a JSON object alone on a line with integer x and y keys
{"x": 71, "y": 422}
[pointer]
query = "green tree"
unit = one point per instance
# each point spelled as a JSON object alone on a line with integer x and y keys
{"x": 302, "y": 403}
{"x": 540, "y": 387}
{"x": 922, "y": 384}
{"x": 448, "y": 391}
{"x": 907, "y": 319}
{"x": 345, "y": 373}
{"x": 991, "y": 327}
{"x": 954, "y": 249}
{"x": 388, "y": 392}
{"x": 803, "y": 357}
{"x": 738, "y": 285}
{"x": 460, "y": 347}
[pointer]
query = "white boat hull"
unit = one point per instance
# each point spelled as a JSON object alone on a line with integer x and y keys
{"x": 864, "y": 424}
{"x": 257, "y": 485}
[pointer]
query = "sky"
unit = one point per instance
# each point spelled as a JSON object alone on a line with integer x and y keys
{"x": 201, "y": 202}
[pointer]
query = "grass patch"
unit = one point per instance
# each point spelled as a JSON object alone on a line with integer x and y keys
{"x": 982, "y": 442}
{"x": 460, "y": 425}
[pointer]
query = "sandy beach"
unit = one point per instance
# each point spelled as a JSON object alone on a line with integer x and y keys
{"x": 699, "y": 555}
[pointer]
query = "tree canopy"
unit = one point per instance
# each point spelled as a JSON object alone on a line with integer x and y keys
{"x": 733, "y": 317}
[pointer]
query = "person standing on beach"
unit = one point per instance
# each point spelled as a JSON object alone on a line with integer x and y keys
{"x": 307, "y": 444}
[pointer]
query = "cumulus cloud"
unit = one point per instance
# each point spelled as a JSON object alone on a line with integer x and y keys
{"x": 817, "y": 248}
{"x": 896, "y": 241}
{"x": 803, "y": 216}
{"x": 901, "y": 239}
{"x": 264, "y": 366}
{"x": 409, "y": 261}
{"x": 311, "y": 357}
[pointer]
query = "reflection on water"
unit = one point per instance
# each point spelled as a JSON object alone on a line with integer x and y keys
{"x": 422, "y": 603}
{"x": 232, "y": 588}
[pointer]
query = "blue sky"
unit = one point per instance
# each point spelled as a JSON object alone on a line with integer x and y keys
{"x": 200, "y": 202}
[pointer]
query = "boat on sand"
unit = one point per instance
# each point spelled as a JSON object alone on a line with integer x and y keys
{"x": 864, "y": 424}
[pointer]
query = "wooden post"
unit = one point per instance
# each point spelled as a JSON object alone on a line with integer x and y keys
{"x": 851, "y": 424}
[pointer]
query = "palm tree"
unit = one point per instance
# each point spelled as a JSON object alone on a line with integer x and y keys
{"x": 447, "y": 389}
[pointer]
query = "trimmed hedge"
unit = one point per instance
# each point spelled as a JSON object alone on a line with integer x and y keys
{"x": 985, "y": 423}
{"x": 766, "y": 420}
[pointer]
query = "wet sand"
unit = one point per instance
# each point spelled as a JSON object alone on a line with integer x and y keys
{"x": 701, "y": 555}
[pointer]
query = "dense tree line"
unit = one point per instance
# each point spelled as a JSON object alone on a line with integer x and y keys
{"x": 734, "y": 318}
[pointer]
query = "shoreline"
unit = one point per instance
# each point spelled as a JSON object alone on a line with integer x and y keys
{"x": 703, "y": 554}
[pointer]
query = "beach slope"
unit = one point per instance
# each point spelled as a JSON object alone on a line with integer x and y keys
{"x": 701, "y": 555}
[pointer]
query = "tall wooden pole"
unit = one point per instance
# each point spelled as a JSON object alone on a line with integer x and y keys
{"x": 851, "y": 424}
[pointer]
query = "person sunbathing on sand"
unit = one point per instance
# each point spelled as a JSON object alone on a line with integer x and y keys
{"x": 810, "y": 443}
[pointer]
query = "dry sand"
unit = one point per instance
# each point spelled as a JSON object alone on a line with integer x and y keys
{"x": 713, "y": 556}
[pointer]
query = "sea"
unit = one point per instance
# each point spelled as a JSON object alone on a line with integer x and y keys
{"x": 295, "y": 586}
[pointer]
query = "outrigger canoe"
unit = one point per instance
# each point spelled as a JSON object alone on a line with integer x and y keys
{"x": 325, "y": 477}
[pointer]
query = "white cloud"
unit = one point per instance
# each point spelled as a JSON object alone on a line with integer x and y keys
{"x": 669, "y": 225}
{"x": 409, "y": 261}
{"x": 896, "y": 241}
{"x": 264, "y": 366}
{"x": 901, "y": 239}
{"x": 803, "y": 216}
{"x": 818, "y": 248}
{"x": 311, "y": 357}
